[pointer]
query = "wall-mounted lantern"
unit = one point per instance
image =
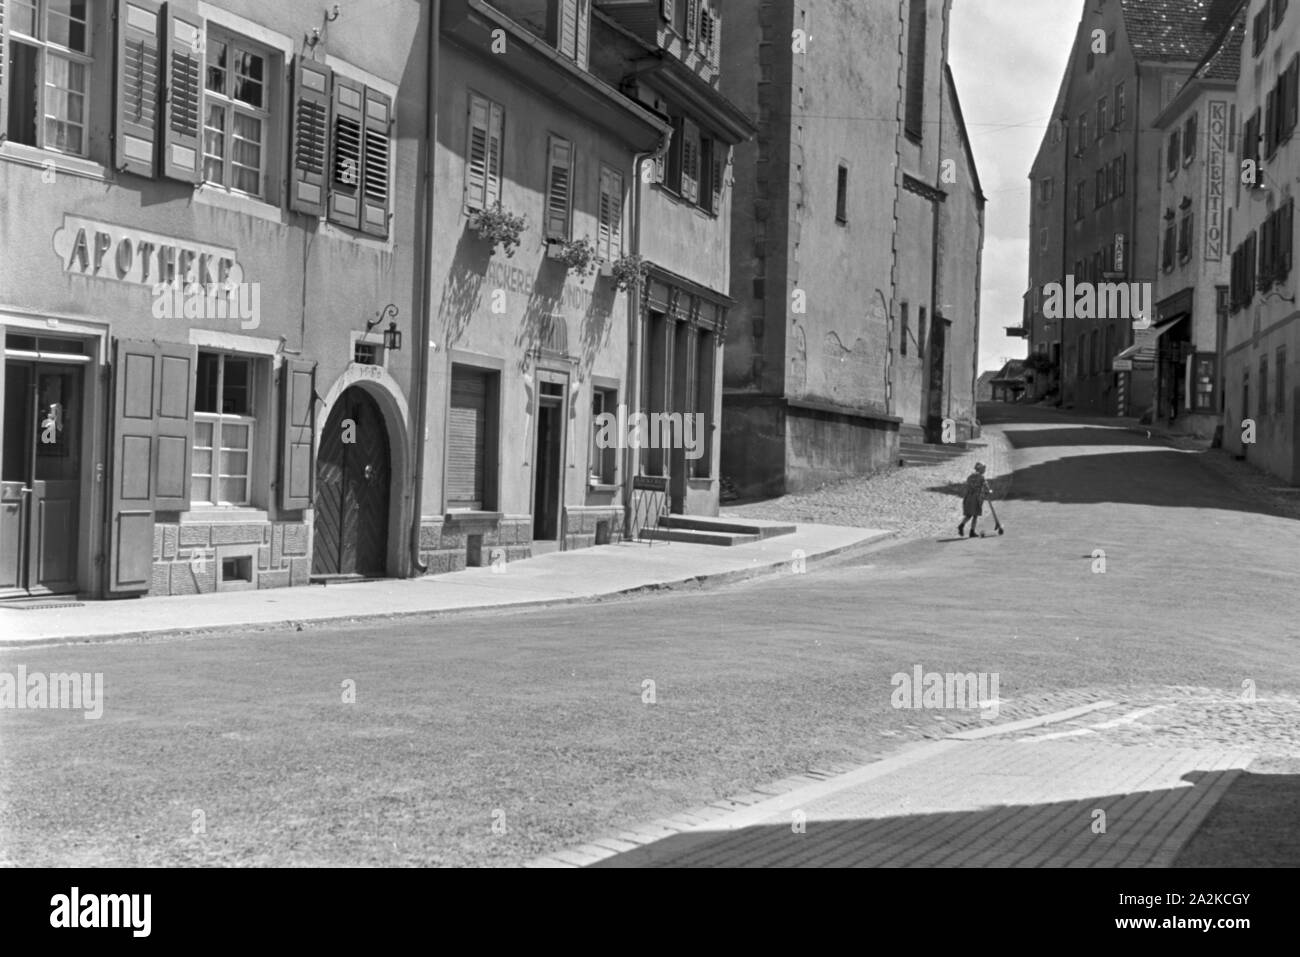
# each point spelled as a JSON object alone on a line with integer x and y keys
{"x": 392, "y": 336}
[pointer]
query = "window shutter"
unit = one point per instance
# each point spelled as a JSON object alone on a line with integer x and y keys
{"x": 135, "y": 140}
{"x": 666, "y": 9}
{"x": 466, "y": 439}
{"x": 717, "y": 177}
{"x": 346, "y": 164}
{"x": 559, "y": 188}
{"x": 311, "y": 134}
{"x": 476, "y": 153}
{"x": 496, "y": 124}
{"x": 1287, "y": 237}
{"x": 153, "y": 386}
{"x": 584, "y": 32}
{"x": 297, "y": 428}
{"x": 1292, "y": 96}
{"x": 692, "y": 20}
{"x": 375, "y": 170}
{"x": 715, "y": 40}
{"x": 615, "y": 215}
{"x": 567, "y": 28}
{"x": 603, "y": 219}
{"x": 183, "y": 97}
{"x": 1270, "y": 123}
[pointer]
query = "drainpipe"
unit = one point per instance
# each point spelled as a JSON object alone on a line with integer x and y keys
{"x": 633, "y": 400}
{"x": 420, "y": 386}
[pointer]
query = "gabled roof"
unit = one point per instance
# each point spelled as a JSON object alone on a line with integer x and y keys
{"x": 965, "y": 137}
{"x": 1223, "y": 61}
{"x": 1175, "y": 29}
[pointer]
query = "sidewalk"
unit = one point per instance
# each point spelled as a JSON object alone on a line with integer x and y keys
{"x": 982, "y": 798}
{"x": 562, "y": 577}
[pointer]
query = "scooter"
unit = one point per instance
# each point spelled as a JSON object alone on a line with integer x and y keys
{"x": 994, "y": 512}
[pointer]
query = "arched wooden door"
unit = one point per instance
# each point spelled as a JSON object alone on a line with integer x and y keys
{"x": 353, "y": 471}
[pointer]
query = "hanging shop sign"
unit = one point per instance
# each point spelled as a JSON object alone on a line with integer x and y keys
{"x": 99, "y": 250}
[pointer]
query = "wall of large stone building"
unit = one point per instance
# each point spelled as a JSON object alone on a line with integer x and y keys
{"x": 962, "y": 234}
{"x": 915, "y": 248}
{"x": 757, "y": 65}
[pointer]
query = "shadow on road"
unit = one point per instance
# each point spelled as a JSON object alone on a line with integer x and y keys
{"x": 1253, "y": 825}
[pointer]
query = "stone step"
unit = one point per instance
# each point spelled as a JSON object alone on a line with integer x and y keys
{"x": 696, "y": 538}
{"x": 698, "y": 524}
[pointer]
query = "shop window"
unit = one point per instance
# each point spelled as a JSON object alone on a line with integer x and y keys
{"x": 559, "y": 189}
{"x": 483, "y": 166}
{"x": 603, "y": 462}
{"x": 50, "y": 70}
{"x": 471, "y": 433}
{"x": 609, "y": 239}
{"x": 1203, "y": 379}
{"x": 224, "y": 430}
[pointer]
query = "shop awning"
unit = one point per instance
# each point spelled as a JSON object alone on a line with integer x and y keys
{"x": 1145, "y": 341}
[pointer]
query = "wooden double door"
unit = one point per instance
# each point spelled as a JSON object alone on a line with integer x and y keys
{"x": 353, "y": 475}
{"x": 40, "y": 486}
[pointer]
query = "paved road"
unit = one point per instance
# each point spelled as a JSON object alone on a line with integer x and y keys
{"x": 542, "y": 723}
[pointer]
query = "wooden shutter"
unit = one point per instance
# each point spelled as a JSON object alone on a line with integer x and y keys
{"x": 376, "y": 168}
{"x": 604, "y": 214}
{"x": 153, "y": 386}
{"x": 566, "y": 30}
{"x": 692, "y": 20}
{"x": 185, "y": 51}
{"x": 559, "y": 179}
{"x": 715, "y": 40}
{"x": 495, "y": 137}
{"x": 584, "y": 32}
{"x": 476, "y": 152}
{"x": 615, "y": 214}
{"x": 1270, "y": 123}
{"x": 297, "y": 431}
{"x": 346, "y": 163}
{"x": 466, "y": 438}
{"x": 1291, "y": 96}
{"x": 1287, "y": 238}
{"x": 135, "y": 139}
{"x": 666, "y": 9}
{"x": 311, "y": 136}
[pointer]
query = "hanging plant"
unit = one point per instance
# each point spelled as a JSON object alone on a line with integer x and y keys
{"x": 629, "y": 272}
{"x": 579, "y": 256}
{"x": 499, "y": 226}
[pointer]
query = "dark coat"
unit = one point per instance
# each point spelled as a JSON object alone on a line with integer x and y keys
{"x": 977, "y": 489}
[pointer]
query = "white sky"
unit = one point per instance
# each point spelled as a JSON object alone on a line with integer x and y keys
{"x": 1007, "y": 58}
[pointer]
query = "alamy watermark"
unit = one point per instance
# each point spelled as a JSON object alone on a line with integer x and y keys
{"x": 210, "y": 302}
{"x": 1129, "y": 301}
{"x": 63, "y": 691}
{"x": 656, "y": 430}
{"x": 939, "y": 692}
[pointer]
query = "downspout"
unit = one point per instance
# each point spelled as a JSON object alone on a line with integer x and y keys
{"x": 633, "y": 399}
{"x": 420, "y": 386}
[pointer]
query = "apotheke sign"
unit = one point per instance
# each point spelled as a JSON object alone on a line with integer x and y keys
{"x": 99, "y": 250}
